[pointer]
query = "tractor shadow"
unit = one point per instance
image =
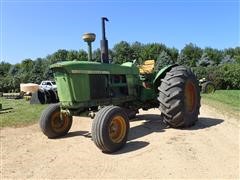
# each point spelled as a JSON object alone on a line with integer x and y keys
{"x": 131, "y": 146}
{"x": 205, "y": 122}
{"x": 76, "y": 133}
{"x": 152, "y": 123}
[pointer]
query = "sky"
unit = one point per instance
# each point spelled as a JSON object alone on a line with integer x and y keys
{"x": 36, "y": 28}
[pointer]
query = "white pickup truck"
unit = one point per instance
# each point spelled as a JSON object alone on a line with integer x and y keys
{"x": 48, "y": 85}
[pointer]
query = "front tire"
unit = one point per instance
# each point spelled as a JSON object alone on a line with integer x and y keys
{"x": 179, "y": 97}
{"x": 54, "y": 124}
{"x": 110, "y": 129}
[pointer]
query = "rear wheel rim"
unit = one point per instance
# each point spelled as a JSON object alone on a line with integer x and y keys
{"x": 117, "y": 129}
{"x": 210, "y": 88}
{"x": 190, "y": 96}
{"x": 59, "y": 124}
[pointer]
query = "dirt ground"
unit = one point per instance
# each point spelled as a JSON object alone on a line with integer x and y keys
{"x": 208, "y": 150}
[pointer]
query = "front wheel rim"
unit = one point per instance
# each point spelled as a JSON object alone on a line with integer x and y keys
{"x": 59, "y": 124}
{"x": 117, "y": 129}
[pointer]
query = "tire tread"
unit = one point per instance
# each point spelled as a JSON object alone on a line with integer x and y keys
{"x": 171, "y": 97}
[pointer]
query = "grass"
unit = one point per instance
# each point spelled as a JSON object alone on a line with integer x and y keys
{"x": 22, "y": 113}
{"x": 224, "y": 101}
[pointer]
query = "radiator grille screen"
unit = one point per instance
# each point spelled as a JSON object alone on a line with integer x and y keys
{"x": 98, "y": 86}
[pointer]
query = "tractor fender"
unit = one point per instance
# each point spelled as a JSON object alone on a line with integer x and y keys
{"x": 161, "y": 74}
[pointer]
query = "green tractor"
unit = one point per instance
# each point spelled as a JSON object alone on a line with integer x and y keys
{"x": 206, "y": 86}
{"x": 112, "y": 94}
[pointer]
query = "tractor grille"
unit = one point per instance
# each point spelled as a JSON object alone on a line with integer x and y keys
{"x": 98, "y": 86}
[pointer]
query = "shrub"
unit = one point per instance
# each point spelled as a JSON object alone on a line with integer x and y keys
{"x": 225, "y": 76}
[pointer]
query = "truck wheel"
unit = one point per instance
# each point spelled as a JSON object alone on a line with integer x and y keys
{"x": 208, "y": 87}
{"x": 42, "y": 96}
{"x": 179, "y": 97}
{"x": 54, "y": 124}
{"x": 53, "y": 97}
{"x": 110, "y": 129}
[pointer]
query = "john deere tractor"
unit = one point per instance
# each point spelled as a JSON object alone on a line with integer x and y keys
{"x": 112, "y": 94}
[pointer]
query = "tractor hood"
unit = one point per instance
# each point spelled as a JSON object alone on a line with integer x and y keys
{"x": 88, "y": 67}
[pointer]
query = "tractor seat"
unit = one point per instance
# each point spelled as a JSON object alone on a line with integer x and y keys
{"x": 147, "y": 67}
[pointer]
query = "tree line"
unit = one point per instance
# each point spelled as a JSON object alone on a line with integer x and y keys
{"x": 34, "y": 71}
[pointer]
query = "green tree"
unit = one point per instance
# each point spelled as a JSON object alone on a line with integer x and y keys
{"x": 82, "y": 55}
{"x": 72, "y": 55}
{"x": 60, "y": 55}
{"x": 4, "y": 68}
{"x": 137, "y": 49}
{"x": 205, "y": 60}
{"x": 214, "y": 55}
{"x": 25, "y": 70}
{"x": 227, "y": 59}
{"x": 173, "y": 53}
{"x": 237, "y": 59}
{"x": 38, "y": 71}
{"x": 182, "y": 59}
{"x": 163, "y": 60}
{"x": 122, "y": 52}
{"x": 47, "y": 72}
{"x": 229, "y": 51}
{"x": 152, "y": 51}
{"x": 232, "y": 53}
{"x": 191, "y": 54}
{"x": 14, "y": 70}
{"x": 97, "y": 55}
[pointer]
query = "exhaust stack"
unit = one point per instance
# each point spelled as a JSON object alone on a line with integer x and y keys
{"x": 104, "y": 43}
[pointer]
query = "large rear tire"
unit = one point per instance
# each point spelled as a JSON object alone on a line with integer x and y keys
{"x": 54, "y": 124}
{"x": 110, "y": 129}
{"x": 179, "y": 97}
